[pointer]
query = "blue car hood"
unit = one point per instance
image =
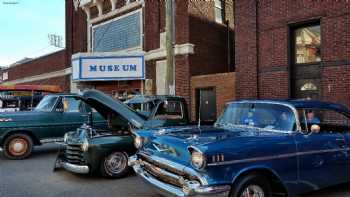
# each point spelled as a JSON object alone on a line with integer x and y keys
{"x": 202, "y": 136}
{"x": 173, "y": 143}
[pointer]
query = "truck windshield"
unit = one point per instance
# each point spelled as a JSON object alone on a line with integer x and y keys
{"x": 47, "y": 103}
{"x": 258, "y": 115}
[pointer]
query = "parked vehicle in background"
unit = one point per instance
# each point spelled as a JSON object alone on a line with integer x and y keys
{"x": 23, "y": 97}
{"x": 106, "y": 151}
{"x": 55, "y": 115}
{"x": 256, "y": 148}
{"x": 143, "y": 104}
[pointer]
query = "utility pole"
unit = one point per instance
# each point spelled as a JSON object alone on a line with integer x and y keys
{"x": 170, "y": 27}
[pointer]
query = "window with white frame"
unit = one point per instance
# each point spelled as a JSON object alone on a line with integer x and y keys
{"x": 219, "y": 11}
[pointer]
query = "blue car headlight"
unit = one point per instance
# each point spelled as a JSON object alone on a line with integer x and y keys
{"x": 198, "y": 160}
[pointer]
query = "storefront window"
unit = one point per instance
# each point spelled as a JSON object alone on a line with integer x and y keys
{"x": 307, "y": 44}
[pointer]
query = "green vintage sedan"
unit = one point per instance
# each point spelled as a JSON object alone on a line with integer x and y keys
{"x": 54, "y": 116}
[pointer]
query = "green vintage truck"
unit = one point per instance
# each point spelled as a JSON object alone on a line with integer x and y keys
{"x": 55, "y": 115}
{"x": 90, "y": 150}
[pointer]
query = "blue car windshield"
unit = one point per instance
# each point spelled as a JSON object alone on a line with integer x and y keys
{"x": 259, "y": 115}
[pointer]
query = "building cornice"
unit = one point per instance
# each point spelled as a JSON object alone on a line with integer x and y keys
{"x": 179, "y": 49}
{"x": 160, "y": 53}
{"x": 86, "y": 6}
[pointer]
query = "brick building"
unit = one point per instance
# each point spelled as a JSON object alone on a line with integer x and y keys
{"x": 50, "y": 69}
{"x": 293, "y": 49}
{"x": 128, "y": 36}
{"x": 203, "y": 46}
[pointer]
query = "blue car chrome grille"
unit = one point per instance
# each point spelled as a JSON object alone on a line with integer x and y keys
{"x": 165, "y": 172}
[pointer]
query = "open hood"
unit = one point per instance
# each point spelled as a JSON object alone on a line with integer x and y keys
{"x": 104, "y": 103}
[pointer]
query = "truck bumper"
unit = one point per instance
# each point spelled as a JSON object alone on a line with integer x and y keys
{"x": 61, "y": 162}
{"x": 79, "y": 169}
{"x": 190, "y": 188}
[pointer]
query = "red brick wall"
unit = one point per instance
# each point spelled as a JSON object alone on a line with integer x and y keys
{"x": 225, "y": 92}
{"x": 336, "y": 84}
{"x": 182, "y": 78}
{"x": 182, "y": 22}
{"x": 266, "y": 62}
{"x": 49, "y": 63}
{"x": 210, "y": 38}
{"x": 246, "y": 49}
{"x": 76, "y": 31}
{"x": 153, "y": 26}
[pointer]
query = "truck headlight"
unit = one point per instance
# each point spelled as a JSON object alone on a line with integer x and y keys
{"x": 85, "y": 145}
{"x": 198, "y": 160}
{"x": 65, "y": 138}
{"x": 138, "y": 142}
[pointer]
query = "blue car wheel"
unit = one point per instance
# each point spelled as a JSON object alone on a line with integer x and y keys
{"x": 252, "y": 186}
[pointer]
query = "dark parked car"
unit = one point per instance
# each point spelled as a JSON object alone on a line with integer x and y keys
{"x": 55, "y": 115}
{"x": 256, "y": 148}
{"x": 106, "y": 151}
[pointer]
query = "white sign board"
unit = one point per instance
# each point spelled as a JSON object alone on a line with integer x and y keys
{"x": 108, "y": 68}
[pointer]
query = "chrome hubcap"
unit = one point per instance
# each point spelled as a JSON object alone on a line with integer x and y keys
{"x": 116, "y": 163}
{"x": 253, "y": 191}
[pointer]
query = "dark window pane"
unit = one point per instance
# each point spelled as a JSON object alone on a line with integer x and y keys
{"x": 308, "y": 44}
{"x": 169, "y": 110}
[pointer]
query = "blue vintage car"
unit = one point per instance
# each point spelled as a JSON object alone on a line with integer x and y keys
{"x": 259, "y": 148}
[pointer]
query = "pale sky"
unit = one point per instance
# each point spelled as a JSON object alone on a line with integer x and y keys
{"x": 25, "y": 25}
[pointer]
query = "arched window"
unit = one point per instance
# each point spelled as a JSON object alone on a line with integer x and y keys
{"x": 308, "y": 87}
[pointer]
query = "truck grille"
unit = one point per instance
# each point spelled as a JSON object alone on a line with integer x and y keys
{"x": 73, "y": 154}
{"x": 166, "y": 173}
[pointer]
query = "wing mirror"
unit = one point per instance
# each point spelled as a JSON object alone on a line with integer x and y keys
{"x": 315, "y": 128}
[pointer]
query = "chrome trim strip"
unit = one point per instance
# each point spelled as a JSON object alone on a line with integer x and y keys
{"x": 255, "y": 159}
{"x": 51, "y": 140}
{"x": 177, "y": 166}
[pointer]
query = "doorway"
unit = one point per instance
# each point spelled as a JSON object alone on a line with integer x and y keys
{"x": 206, "y": 104}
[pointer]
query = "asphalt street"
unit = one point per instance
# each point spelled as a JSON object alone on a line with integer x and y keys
{"x": 34, "y": 178}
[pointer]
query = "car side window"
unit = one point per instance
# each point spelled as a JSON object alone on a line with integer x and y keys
{"x": 327, "y": 120}
{"x": 71, "y": 104}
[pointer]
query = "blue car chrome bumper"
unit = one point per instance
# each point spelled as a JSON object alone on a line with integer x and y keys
{"x": 189, "y": 188}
